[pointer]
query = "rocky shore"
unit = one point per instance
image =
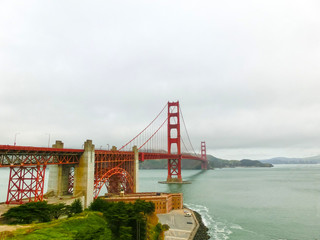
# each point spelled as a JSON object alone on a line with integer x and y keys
{"x": 202, "y": 233}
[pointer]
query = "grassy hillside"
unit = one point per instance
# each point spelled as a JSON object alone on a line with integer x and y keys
{"x": 69, "y": 228}
{"x": 116, "y": 221}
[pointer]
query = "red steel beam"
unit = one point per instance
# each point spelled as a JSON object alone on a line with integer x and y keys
{"x": 10, "y": 148}
{"x": 19, "y": 156}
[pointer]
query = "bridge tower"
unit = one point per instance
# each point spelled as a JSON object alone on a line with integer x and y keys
{"x": 174, "y": 146}
{"x": 204, "y": 164}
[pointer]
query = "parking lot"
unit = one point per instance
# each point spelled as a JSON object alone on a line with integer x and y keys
{"x": 181, "y": 224}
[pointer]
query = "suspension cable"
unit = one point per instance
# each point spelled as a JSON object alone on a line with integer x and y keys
{"x": 180, "y": 133}
{"x": 143, "y": 129}
{"x": 187, "y": 132}
{"x": 153, "y": 133}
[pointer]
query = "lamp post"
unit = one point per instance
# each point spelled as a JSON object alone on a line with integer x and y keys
{"x": 15, "y": 138}
{"x": 48, "y": 139}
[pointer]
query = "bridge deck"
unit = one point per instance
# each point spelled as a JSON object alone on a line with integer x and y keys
{"x": 17, "y": 156}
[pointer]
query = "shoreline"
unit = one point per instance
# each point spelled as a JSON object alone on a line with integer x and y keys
{"x": 202, "y": 232}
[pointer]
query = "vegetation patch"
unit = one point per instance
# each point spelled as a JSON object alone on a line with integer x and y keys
{"x": 130, "y": 221}
{"x": 87, "y": 225}
{"x": 40, "y": 212}
{"x": 103, "y": 220}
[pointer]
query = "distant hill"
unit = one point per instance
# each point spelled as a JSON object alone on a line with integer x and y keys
{"x": 222, "y": 163}
{"x": 213, "y": 163}
{"x": 163, "y": 164}
{"x": 285, "y": 160}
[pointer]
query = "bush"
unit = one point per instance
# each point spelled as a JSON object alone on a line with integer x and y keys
{"x": 126, "y": 220}
{"x": 99, "y": 204}
{"x": 58, "y": 210}
{"x": 40, "y": 212}
{"x": 143, "y": 206}
{"x": 165, "y": 227}
{"x": 90, "y": 233}
{"x": 74, "y": 208}
{"x": 29, "y": 212}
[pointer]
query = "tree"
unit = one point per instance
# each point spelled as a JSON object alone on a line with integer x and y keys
{"x": 76, "y": 206}
{"x": 99, "y": 204}
{"x": 57, "y": 210}
{"x": 125, "y": 233}
{"x": 143, "y": 206}
{"x": 29, "y": 212}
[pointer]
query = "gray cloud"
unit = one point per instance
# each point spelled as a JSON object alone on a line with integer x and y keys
{"x": 246, "y": 73}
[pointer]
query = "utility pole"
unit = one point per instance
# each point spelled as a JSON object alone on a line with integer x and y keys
{"x": 15, "y": 138}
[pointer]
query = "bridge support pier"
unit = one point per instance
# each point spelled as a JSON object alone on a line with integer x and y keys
{"x": 174, "y": 142}
{"x": 58, "y": 182}
{"x": 204, "y": 164}
{"x": 84, "y": 174}
{"x": 174, "y": 170}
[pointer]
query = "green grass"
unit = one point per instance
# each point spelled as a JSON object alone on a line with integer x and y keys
{"x": 64, "y": 229}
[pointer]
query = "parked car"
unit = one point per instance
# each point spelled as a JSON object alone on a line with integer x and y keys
{"x": 188, "y": 214}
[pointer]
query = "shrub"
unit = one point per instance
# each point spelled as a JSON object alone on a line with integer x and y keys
{"x": 57, "y": 210}
{"x": 165, "y": 227}
{"x": 143, "y": 206}
{"x": 29, "y": 212}
{"x": 99, "y": 204}
{"x": 90, "y": 233}
{"x": 76, "y": 206}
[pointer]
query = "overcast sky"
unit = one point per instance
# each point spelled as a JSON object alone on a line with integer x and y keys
{"x": 246, "y": 73}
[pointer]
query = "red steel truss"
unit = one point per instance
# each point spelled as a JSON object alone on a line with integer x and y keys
{"x": 174, "y": 164}
{"x": 27, "y": 169}
{"x": 25, "y": 184}
{"x": 15, "y": 156}
{"x": 115, "y": 170}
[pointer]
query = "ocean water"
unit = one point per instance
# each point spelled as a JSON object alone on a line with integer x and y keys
{"x": 280, "y": 203}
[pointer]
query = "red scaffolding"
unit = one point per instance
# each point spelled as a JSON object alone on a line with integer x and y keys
{"x": 26, "y": 184}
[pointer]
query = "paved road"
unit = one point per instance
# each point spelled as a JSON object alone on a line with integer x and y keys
{"x": 180, "y": 227}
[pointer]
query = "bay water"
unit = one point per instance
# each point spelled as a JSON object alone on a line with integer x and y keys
{"x": 279, "y": 203}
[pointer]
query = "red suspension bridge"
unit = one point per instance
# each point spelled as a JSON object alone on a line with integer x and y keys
{"x": 86, "y": 171}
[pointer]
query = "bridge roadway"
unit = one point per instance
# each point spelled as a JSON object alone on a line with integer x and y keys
{"x": 17, "y": 156}
{"x": 76, "y": 171}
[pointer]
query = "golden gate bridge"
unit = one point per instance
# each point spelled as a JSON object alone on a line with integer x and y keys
{"x": 86, "y": 171}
